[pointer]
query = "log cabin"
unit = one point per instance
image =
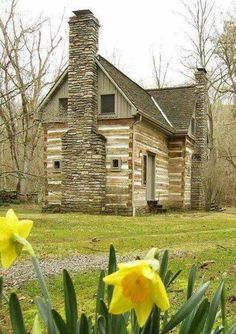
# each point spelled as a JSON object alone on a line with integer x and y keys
{"x": 111, "y": 146}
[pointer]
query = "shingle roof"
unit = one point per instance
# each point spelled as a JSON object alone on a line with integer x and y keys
{"x": 178, "y": 103}
{"x": 139, "y": 97}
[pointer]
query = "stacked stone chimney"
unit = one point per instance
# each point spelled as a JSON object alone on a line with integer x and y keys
{"x": 199, "y": 159}
{"x": 83, "y": 148}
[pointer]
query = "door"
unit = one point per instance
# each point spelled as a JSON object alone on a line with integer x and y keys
{"x": 151, "y": 176}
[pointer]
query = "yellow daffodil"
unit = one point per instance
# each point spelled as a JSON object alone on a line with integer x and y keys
{"x": 137, "y": 286}
{"x": 13, "y": 233}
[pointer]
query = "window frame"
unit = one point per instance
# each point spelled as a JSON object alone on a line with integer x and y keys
{"x": 116, "y": 169}
{"x": 56, "y": 170}
{"x": 144, "y": 171}
{"x": 114, "y": 104}
{"x": 61, "y": 106}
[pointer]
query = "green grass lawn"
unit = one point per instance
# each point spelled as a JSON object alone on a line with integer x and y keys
{"x": 195, "y": 236}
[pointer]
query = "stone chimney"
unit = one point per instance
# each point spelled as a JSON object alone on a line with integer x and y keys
{"x": 199, "y": 159}
{"x": 83, "y": 148}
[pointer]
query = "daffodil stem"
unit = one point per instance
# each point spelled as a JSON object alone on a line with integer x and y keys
{"x": 41, "y": 279}
{"x": 37, "y": 267}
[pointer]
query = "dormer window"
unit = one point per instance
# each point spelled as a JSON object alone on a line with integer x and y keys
{"x": 193, "y": 126}
{"x": 63, "y": 105}
{"x": 108, "y": 104}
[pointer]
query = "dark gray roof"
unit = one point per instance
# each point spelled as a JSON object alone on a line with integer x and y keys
{"x": 178, "y": 103}
{"x": 139, "y": 97}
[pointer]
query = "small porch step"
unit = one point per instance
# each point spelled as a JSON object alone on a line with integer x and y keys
{"x": 154, "y": 207}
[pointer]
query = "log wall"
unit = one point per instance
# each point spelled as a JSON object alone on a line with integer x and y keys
{"x": 180, "y": 156}
{"x": 118, "y": 134}
{"x": 176, "y": 172}
{"x": 149, "y": 139}
{"x": 189, "y": 148}
{"x": 53, "y": 151}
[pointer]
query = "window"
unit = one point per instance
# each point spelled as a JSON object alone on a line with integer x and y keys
{"x": 193, "y": 126}
{"x": 63, "y": 105}
{"x": 116, "y": 164}
{"x": 57, "y": 165}
{"x": 144, "y": 170}
{"x": 108, "y": 104}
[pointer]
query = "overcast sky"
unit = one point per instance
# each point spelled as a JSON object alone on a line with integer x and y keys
{"x": 130, "y": 27}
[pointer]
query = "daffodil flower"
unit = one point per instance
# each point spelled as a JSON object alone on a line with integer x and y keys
{"x": 137, "y": 286}
{"x": 13, "y": 234}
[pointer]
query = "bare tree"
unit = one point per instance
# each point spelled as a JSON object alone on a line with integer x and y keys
{"x": 226, "y": 59}
{"x": 26, "y": 69}
{"x": 200, "y": 17}
{"x": 160, "y": 69}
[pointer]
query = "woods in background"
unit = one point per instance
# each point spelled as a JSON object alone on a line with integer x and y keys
{"x": 30, "y": 62}
{"x": 27, "y": 69}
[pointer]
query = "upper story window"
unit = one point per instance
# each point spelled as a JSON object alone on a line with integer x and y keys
{"x": 193, "y": 126}
{"x": 108, "y": 104}
{"x": 63, "y": 105}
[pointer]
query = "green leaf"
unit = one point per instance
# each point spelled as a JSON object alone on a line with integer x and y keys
{"x": 173, "y": 278}
{"x": 117, "y": 324}
{"x": 83, "y": 325}
{"x": 186, "y": 309}
{"x": 232, "y": 329}
{"x": 218, "y": 330}
{"x": 36, "y": 327}
{"x": 199, "y": 318}
{"x": 103, "y": 309}
{"x": 111, "y": 269}
{"x": 101, "y": 325}
{"x": 164, "y": 264}
{"x": 135, "y": 329}
{"x": 100, "y": 292}
{"x": 213, "y": 309}
{"x": 223, "y": 310}
{"x": 60, "y": 323}
{"x": 70, "y": 304}
{"x": 46, "y": 314}
{"x": 191, "y": 280}
{"x": 184, "y": 328}
{"x": 16, "y": 315}
{"x": 167, "y": 277}
{"x": 1, "y": 287}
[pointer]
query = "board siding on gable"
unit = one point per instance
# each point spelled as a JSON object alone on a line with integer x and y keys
{"x": 51, "y": 112}
{"x": 105, "y": 86}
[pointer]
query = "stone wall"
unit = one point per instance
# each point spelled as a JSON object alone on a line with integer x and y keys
{"x": 199, "y": 158}
{"x": 83, "y": 149}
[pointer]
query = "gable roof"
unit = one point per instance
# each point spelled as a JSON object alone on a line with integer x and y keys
{"x": 171, "y": 108}
{"x": 138, "y": 96}
{"x": 178, "y": 104}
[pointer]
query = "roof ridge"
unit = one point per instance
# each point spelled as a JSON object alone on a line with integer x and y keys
{"x": 171, "y": 87}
